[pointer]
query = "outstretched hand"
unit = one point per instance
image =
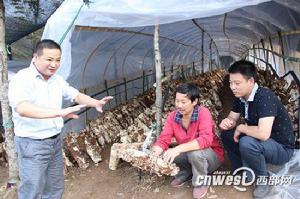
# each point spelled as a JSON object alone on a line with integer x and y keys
{"x": 69, "y": 112}
{"x": 102, "y": 102}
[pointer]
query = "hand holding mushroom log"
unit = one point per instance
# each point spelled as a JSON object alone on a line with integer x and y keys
{"x": 171, "y": 154}
{"x": 156, "y": 151}
{"x": 168, "y": 156}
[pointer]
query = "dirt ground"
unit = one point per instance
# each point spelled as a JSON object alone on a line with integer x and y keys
{"x": 99, "y": 182}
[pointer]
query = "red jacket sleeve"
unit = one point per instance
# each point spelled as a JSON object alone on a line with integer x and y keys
{"x": 165, "y": 138}
{"x": 205, "y": 128}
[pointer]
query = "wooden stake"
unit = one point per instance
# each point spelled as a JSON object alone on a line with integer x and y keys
{"x": 158, "y": 101}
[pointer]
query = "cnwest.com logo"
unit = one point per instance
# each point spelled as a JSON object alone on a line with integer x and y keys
{"x": 246, "y": 178}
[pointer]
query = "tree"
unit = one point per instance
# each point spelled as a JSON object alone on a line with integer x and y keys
{"x": 6, "y": 111}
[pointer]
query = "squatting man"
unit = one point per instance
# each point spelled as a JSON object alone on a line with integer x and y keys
{"x": 267, "y": 134}
{"x": 198, "y": 151}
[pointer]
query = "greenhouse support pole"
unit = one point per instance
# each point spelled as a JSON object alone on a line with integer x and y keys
{"x": 274, "y": 60}
{"x": 6, "y": 111}
{"x": 258, "y": 54}
{"x": 158, "y": 91}
{"x": 125, "y": 85}
{"x": 106, "y": 89}
{"x": 263, "y": 47}
{"x": 210, "y": 55}
{"x": 254, "y": 53}
{"x": 265, "y": 53}
{"x": 282, "y": 50}
{"x": 172, "y": 70}
{"x": 116, "y": 100}
{"x": 194, "y": 69}
{"x": 249, "y": 54}
{"x": 202, "y": 52}
{"x": 267, "y": 56}
{"x": 85, "y": 113}
{"x": 147, "y": 81}
{"x": 143, "y": 81}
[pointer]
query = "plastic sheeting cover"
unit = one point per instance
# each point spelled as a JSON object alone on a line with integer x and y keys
{"x": 126, "y": 13}
{"x": 291, "y": 168}
{"x": 113, "y": 40}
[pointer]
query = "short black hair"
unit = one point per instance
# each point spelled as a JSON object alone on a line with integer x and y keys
{"x": 190, "y": 90}
{"x": 245, "y": 68}
{"x": 45, "y": 43}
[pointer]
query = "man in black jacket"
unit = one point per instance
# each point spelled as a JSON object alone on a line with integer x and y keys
{"x": 267, "y": 135}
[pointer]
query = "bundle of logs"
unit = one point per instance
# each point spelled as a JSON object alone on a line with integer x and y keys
{"x": 125, "y": 123}
{"x": 130, "y": 152}
{"x": 128, "y": 124}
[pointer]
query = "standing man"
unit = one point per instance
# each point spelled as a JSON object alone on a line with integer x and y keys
{"x": 35, "y": 96}
{"x": 267, "y": 135}
{"x": 198, "y": 151}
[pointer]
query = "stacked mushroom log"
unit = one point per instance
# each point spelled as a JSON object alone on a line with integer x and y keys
{"x": 130, "y": 152}
{"x": 125, "y": 123}
{"x": 209, "y": 84}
